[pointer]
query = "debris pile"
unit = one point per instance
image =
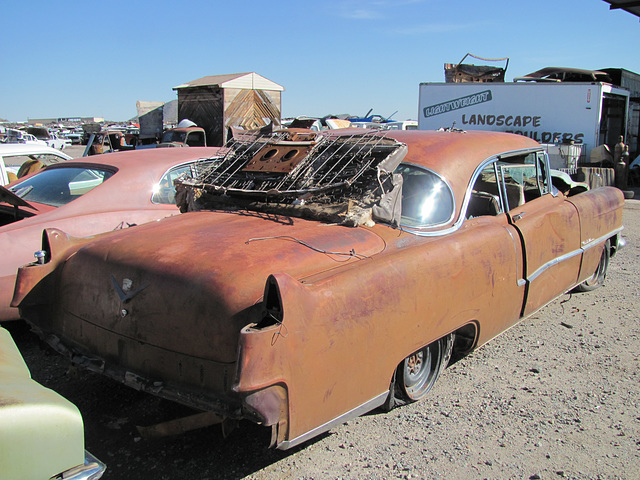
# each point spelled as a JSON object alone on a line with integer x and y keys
{"x": 466, "y": 72}
{"x": 339, "y": 178}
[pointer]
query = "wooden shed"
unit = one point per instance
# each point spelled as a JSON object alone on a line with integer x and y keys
{"x": 218, "y": 102}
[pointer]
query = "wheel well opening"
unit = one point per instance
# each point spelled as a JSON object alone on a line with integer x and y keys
{"x": 466, "y": 338}
{"x": 616, "y": 243}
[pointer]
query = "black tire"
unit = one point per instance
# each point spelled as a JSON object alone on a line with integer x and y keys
{"x": 597, "y": 279}
{"x": 417, "y": 373}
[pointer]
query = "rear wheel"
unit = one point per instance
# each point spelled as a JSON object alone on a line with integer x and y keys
{"x": 417, "y": 373}
{"x": 597, "y": 279}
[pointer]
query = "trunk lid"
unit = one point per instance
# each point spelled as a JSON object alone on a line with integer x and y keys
{"x": 188, "y": 284}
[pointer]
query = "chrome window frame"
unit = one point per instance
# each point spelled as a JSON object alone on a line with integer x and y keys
{"x": 193, "y": 164}
{"x": 429, "y": 232}
{"x": 157, "y": 183}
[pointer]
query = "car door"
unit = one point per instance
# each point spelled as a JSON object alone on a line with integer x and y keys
{"x": 3, "y": 173}
{"x": 549, "y": 228}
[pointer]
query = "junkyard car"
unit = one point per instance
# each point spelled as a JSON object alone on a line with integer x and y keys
{"x": 86, "y": 197}
{"x": 316, "y": 277}
{"x": 33, "y": 156}
{"x": 49, "y": 137}
{"x": 42, "y": 434}
{"x": 56, "y": 141}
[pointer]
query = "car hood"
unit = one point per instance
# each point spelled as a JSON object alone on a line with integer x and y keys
{"x": 190, "y": 283}
{"x": 7, "y": 196}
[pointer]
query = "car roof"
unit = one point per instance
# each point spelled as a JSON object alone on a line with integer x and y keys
{"x": 136, "y": 172}
{"x": 455, "y": 155}
{"x": 436, "y": 149}
{"x": 141, "y": 160}
{"x": 30, "y": 149}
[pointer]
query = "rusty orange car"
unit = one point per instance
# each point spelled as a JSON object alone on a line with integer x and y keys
{"x": 86, "y": 197}
{"x": 316, "y": 276}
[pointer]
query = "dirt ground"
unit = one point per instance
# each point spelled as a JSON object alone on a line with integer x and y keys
{"x": 555, "y": 397}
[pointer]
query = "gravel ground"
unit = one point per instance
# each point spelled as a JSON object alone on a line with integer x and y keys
{"x": 75, "y": 151}
{"x": 555, "y": 397}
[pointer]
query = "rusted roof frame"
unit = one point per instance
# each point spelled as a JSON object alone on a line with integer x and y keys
{"x": 340, "y": 153}
{"x": 631, "y": 6}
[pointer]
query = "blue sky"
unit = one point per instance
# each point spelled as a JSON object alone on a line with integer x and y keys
{"x": 85, "y": 58}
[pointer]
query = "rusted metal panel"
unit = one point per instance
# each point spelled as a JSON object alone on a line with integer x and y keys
{"x": 278, "y": 159}
{"x": 550, "y": 228}
{"x": 599, "y": 212}
{"x": 330, "y": 334}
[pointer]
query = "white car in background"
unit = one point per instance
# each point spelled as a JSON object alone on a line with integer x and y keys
{"x": 59, "y": 142}
{"x": 27, "y": 157}
{"x": 29, "y": 139}
{"x": 50, "y": 138}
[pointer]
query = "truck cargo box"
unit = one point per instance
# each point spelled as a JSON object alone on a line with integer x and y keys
{"x": 582, "y": 113}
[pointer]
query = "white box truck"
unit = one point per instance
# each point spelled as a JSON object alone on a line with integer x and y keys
{"x": 585, "y": 113}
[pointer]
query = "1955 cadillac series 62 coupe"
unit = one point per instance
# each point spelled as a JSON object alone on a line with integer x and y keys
{"x": 317, "y": 276}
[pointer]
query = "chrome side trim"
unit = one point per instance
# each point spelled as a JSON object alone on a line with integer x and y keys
{"x": 593, "y": 243}
{"x": 356, "y": 412}
{"x": 586, "y": 246}
{"x": 553, "y": 262}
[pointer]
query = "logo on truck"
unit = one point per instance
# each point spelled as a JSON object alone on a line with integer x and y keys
{"x": 458, "y": 103}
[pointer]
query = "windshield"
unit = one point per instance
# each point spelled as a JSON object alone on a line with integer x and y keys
{"x": 426, "y": 199}
{"x": 59, "y": 186}
{"x": 173, "y": 136}
{"x": 44, "y": 159}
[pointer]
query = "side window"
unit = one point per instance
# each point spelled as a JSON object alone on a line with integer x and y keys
{"x": 525, "y": 179}
{"x": 485, "y": 194}
{"x": 18, "y": 160}
{"x": 164, "y": 191}
{"x": 508, "y": 183}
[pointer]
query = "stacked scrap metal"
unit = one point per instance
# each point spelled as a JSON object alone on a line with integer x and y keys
{"x": 465, "y": 72}
{"x": 342, "y": 177}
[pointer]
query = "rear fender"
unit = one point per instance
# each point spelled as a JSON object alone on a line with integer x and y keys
{"x": 35, "y": 283}
{"x": 267, "y": 353}
{"x": 600, "y": 213}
